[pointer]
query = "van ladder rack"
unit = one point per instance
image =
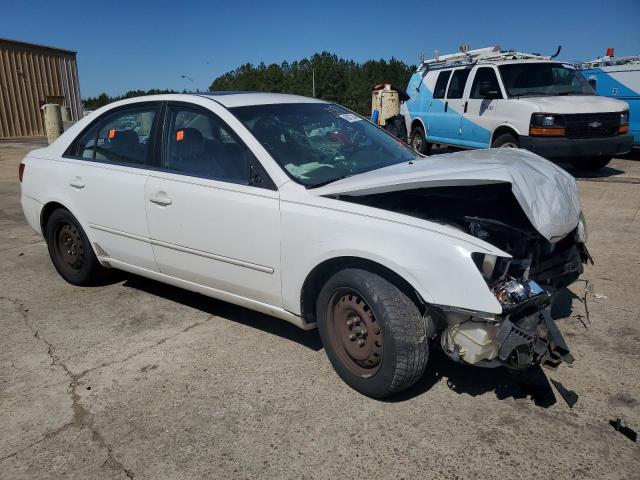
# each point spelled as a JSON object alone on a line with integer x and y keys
{"x": 470, "y": 57}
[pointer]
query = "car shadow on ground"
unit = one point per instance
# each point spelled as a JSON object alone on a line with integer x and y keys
{"x": 250, "y": 318}
{"x": 463, "y": 379}
{"x": 532, "y": 384}
{"x": 605, "y": 172}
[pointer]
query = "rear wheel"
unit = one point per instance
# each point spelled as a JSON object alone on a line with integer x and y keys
{"x": 586, "y": 164}
{"x": 506, "y": 140}
{"x": 70, "y": 250}
{"x": 373, "y": 333}
{"x": 419, "y": 141}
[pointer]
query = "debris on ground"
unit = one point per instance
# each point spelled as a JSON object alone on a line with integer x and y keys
{"x": 626, "y": 431}
{"x": 569, "y": 396}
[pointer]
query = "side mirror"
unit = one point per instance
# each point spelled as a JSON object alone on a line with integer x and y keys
{"x": 489, "y": 90}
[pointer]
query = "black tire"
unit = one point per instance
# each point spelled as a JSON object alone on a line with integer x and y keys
{"x": 397, "y": 329}
{"x": 70, "y": 250}
{"x": 506, "y": 140}
{"x": 418, "y": 141}
{"x": 586, "y": 164}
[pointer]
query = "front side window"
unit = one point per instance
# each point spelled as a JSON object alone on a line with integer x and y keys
{"x": 543, "y": 79}
{"x": 487, "y": 76}
{"x": 441, "y": 84}
{"x": 200, "y": 144}
{"x": 458, "y": 81}
{"x": 124, "y": 136}
{"x": 317, "y": 143}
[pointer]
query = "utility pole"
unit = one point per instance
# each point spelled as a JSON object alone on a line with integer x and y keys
{"x": 313, "y": 81}
{"x": 191, "y": 80}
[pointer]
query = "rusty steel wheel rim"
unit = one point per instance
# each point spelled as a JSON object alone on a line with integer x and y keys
{"x": 354, "y": 333}
{"x": 69, "y": 247}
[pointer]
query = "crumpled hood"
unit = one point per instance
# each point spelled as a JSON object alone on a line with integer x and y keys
{"x": 547, "y": 194}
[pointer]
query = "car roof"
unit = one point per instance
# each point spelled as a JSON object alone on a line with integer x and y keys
{"x": 224, "y": 98}
{"x": 242, "y": 99}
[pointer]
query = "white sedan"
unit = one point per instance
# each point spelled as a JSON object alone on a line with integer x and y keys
{"x": 300, "y": 209}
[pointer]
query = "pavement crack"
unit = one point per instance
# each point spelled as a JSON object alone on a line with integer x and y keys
{"x": 82, "y": 417}
{"x": 147, "y": 348}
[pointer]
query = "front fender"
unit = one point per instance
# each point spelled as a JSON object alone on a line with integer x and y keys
{"x": 438, "y": 266}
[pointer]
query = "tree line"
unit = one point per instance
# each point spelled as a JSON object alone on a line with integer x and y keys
{"x": 338, "y": 80}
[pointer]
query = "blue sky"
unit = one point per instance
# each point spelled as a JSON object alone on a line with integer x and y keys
{"x": 149, "y": 44}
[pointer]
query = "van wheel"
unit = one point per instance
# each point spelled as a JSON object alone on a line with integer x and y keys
{"x": 419, "y": 141}
{"x": 70, "y": 249}
{"x": 372, "y": 332}
{"x": 586, "y": 164}
{"x": 506, "y": 140}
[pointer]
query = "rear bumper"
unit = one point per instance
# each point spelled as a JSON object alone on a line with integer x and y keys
{"x": 557, "y": 148}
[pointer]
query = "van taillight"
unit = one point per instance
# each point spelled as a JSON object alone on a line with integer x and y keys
{"x": 21, "y": 172}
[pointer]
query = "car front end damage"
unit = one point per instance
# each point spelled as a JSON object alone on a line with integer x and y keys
{"x": 526, "y": 285}
{"x": 513, "y": 200}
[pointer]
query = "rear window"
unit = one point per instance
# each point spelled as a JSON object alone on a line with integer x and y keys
{"x": 458, "y": 81}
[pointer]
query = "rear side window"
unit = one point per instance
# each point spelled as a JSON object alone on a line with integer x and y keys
{"x": 200, "y": 144}
{"x": 441, "y": 84}
{"x": 485, "y": 75}
{"x": 85, "y": 145}
{"x": 458, "y": 81}
{"x": 125, "y": 136}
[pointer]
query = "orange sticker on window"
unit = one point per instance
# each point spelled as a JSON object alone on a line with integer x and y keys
{"x": 179, "y": 135}
{"x": 112, "y": 133}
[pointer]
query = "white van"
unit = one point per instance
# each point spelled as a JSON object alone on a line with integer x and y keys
{"x": 489, "y": 98}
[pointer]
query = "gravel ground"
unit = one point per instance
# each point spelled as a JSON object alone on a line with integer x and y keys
{"x": 140, "y": 380}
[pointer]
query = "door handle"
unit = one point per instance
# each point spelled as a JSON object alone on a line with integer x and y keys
{"x": 466, "y": 104}
{"x": 76, "y": 183}
{"x": 162, "y": 200}
{"x": 446, "y": 105}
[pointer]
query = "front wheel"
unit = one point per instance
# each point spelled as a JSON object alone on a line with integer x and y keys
{"x": 506, "y": 140}
{"x": 587, "y": 164}
{"x": 372, "y": 332}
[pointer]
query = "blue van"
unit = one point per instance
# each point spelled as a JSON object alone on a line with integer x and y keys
{"x": 490, "y": 98}
{"x": 617, "y": 78}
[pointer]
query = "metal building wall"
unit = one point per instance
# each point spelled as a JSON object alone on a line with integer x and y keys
{"x": 30, "y": 76}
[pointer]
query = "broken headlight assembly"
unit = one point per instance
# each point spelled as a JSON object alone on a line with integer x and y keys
{"x": 524, "y": 334}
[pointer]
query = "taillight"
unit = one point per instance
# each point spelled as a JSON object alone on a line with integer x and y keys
{"x": 21, "y": 171}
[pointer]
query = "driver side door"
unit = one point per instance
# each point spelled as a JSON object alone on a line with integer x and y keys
{"x": 210, "y": 223}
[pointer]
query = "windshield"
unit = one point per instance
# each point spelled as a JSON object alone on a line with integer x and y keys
{"x": 543, "y": 79}
{"x": 318, "y": 143}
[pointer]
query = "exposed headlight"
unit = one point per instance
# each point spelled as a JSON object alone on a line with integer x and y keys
{"x": 582, "y": 229}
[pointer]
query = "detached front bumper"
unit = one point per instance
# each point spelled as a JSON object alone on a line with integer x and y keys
{"x": 556, "y": 148}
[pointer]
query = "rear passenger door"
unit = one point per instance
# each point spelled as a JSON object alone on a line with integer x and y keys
{"x": 106, "y": 169}
{"x": 213, "y": 213}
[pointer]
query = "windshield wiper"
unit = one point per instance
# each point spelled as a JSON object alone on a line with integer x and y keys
{"x": 327, "y": 182}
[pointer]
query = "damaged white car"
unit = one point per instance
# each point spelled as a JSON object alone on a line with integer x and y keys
{"x": 300, "y": 209}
